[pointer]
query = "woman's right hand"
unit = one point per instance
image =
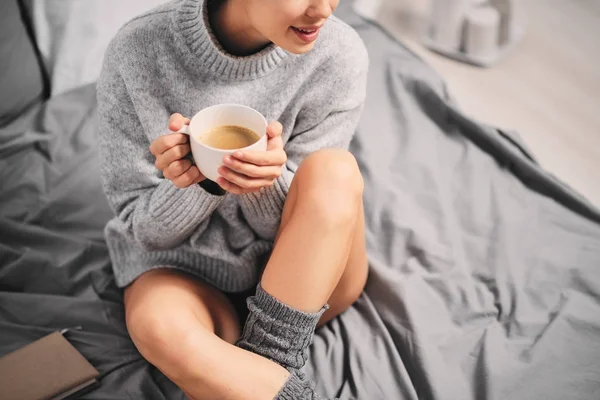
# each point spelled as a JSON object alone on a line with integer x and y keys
{"x": 171, "y": 150}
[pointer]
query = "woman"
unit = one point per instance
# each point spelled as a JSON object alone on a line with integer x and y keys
{"x": 185, "y": 252}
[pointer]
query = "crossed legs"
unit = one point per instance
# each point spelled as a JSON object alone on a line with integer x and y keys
{"x": 187, "y": 329}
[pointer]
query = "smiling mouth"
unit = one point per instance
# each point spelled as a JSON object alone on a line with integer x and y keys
{"x": 305, "y": 31}
{"x": 307, "y": 35}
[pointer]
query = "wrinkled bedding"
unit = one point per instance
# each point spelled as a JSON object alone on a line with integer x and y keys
{"x": 485, "y": 270}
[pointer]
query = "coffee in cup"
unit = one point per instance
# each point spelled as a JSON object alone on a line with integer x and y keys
{"x": 229, "y": 137}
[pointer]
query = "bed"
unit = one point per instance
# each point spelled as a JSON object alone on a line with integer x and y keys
{"x": 484, "y": 269}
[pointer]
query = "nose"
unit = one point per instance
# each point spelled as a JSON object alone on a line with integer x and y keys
{"x": 319, "y": 9}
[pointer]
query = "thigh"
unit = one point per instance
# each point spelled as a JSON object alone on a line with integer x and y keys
{"x": 162, "y": 301}
{"x": 354, "y": 277}
{"x": 179, "y": 323}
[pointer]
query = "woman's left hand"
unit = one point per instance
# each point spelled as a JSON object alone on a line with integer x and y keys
{"x": 249, "y": 171}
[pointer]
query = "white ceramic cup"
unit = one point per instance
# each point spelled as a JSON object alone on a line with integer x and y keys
{"x": 209, "y": 159}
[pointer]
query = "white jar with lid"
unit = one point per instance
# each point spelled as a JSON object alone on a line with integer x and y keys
{"x": 447, "y": 20}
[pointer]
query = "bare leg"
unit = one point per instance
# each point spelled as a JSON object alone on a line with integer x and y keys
{"x": 319, "y": 255}
{"x": 185, "y": 328}
{"x": 354, "y": 278}
{"x": 172, "y": 319}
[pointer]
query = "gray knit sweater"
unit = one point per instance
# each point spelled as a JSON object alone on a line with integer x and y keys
{"x": 168, "y": 61}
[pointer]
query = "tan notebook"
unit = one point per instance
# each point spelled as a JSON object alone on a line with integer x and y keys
{"x": 48, "y": 369}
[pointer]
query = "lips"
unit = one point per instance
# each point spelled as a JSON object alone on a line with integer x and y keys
{"x": 307, "y": 34}
{"x": 306, "y": 30}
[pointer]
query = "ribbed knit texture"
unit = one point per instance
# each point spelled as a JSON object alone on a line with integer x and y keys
{"x": 167, "y": 61}
{"x": 297, "y": 387}
{"x": 209, "y": 55}
{"x": 277, "y": 331}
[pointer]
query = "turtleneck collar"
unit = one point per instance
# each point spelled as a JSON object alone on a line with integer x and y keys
{"x": 191, "y": 22}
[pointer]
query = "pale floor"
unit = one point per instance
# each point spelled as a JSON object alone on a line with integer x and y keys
{"x": 547, "y": 88}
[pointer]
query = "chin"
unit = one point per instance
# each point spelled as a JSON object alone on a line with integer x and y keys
{"x": 290, "y": 43}
{"x": 298, "y": 48}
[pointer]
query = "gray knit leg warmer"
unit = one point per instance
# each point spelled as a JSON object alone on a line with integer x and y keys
{"x": 277, "y": 331}
{"x": 297, "y": 387}
{"x": 282, "y": 334}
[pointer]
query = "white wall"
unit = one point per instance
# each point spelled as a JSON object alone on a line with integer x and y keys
{"x": 73, "y": 35}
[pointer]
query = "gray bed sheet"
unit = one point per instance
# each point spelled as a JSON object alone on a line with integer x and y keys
{"x": 485, "y": 270}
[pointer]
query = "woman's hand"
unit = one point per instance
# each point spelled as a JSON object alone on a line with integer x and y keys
{"x": 249, "y": 171}
{"x": 170, "y": 152}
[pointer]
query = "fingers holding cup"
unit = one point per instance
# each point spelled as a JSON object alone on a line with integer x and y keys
{"x": 275, "y": 157}
{"x": 165, "y": 142}
{"x": 270, "y": 172}
{"x": 188, "y": 178}
{"x": 171, "y": 155}
{"x": 240, "y": 180}
{"x": 177, "y": 121}
{"x": 274, "y": 129}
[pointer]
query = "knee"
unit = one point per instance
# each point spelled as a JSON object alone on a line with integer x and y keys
{"x": 150, "y": 334}
{"x": 333, "y": 170}
{"x": 332, "y": 182}
{"x": 159, "y": 337}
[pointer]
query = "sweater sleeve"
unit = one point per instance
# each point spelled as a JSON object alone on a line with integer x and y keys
{"x": 329, "y": 120}
{"x": 154, "y": 213}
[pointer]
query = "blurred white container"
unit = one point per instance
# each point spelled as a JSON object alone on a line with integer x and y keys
{"x": 447, "y": 18}
{"x": 482, "y": 30}
{"x": 458, "y": 33}
{"x": 508, "y": 19}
